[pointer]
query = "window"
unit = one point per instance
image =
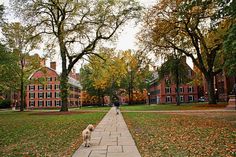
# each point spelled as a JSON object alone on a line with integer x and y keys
{"x": 190, "y": 72}
{"x": 57, "y": 94}
{"x": 57, "y": 103}
{"x": 31, "y": 87}
{"x": 40, "y": 95}
{"x": 40, "y": 87}
{"x": 31, "y": 103}
{"x": 168, "y": 99}
{"x": 55, "y": 78}
{"x": 190, "y": 89}
{"x": 31, "y": 95}
{"x": 167, "y": 81}
{"x": 49, "y": 87}
{"x": 181, "y": 89}
{"x": 49, "y": 79}
{"x": 168, "y": 90}
{"x": 48, "y": 103}
{"x": 181, "y": 98}
{"x": 57, "y": 86}
{"x": 40, "y": 103}
{"x": 49, "y": 94}
{"x": 190, "y": 98}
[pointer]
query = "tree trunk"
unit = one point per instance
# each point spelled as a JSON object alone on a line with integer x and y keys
{"x": 22, "y": 94}
{"x": 211, "y": 89}
{"x": 64, "y": 91}
{"x": 177, "y": 93}
{"x": 22, "y": 101}
{"x": 129, "y": 95}
{"x": 64, "y": 77}
{"x": 177, "y": 83}
{"x": 103, "y": 101}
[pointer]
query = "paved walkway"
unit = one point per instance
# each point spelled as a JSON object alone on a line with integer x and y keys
{"x": 111, "y": 138}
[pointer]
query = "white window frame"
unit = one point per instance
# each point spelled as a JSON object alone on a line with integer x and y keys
{"x": 190, "y": 96}
{"x": 41, "y": 94}
{"x": 49, "y": 78}
{"x": 48, "y": 102}
{"x": 190, "y": 89}
{"x": 57, "y": 103}
{"x": 49, "y": 95}
{"x": 168, "y": 91}
{"x": 49, "y": 85}
{"x": 40, "y": 87}
{"x": 168, "y": 99}
{"x": 181, "y": 98}
{"x": 57, "y": 94}
{"x": 31, "y": 87}
{"x": 31, "y": 103}
{"x": 57, "y": 86}
{"x": 31, "y": 95}
{"x": 41, "y": 104}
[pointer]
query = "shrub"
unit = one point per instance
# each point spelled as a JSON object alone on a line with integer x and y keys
{"x": 5, "y": 103}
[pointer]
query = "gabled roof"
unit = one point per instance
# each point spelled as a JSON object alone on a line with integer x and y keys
{"x": 41, "y": 69}
{"x": 74, "y": 82}
{"x": 71, "y": 80}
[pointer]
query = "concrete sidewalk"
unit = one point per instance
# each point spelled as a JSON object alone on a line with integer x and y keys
{"x": 111, "y": 138}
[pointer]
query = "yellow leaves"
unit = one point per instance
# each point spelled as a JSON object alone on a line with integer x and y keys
{"x": 196, "y": 10}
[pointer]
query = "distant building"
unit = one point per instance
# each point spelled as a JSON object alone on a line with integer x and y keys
{"x": 44, "y": 89}
{"x": 164, "y": 91}
{"x": 223, "y": 86}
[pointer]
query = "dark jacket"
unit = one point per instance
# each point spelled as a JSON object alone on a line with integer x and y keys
{"x": 117, "y": 103}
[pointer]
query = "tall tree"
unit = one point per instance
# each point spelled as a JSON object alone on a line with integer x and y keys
{"x": 192, "y": 28}
{"x": 137, "y": 71}
{"x": 111, "y": 74}
{"x": 78, "y": 26}
{"x": 230, "y": 51}
{"x": 8, "y": 68}
{"x": 21, "y": 40}
{"x": 229, "y": 42}
{"x": 175, "y": 67}
{"x": 1, "y": 14}
{"x": 103, "y": 76}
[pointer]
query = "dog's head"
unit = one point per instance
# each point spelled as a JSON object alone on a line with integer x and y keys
{"x": 90, "y": 127}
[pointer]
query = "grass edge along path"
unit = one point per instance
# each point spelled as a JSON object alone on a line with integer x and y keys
{"x": 169, "y": 107}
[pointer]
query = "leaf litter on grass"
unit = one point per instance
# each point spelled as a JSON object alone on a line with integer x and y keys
{"x": 181, "y": 135}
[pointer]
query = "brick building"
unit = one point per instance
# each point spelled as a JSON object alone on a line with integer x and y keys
{"x": 44, "y": 90}
{"x": 164, "y": 91}
{"x": 223, "y": 86}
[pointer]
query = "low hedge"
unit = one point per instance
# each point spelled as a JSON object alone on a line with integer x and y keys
{"x": 5, "y": 103}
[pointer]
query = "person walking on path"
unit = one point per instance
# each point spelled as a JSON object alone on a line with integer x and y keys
{"x": 117, "y": 105}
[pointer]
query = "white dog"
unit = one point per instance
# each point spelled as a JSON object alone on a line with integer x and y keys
{"x": 87, "y": 134}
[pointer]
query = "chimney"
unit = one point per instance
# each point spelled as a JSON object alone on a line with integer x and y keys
{"x": 42, "y": 62}
{"x": 53, "y": 65}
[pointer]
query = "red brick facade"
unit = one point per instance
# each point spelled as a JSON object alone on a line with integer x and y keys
{"x": 164, "y": 91}
{"x": 44, "y": 90}
{"x": 161, "y": 93}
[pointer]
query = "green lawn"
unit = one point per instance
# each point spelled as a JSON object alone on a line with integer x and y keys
{"x": 182, "y": 135}
{"x": 161, "y": 107}
{"x": 99, "y": 108}
{"x": 46, "y": 134}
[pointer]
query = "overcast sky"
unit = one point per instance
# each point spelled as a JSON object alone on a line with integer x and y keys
{"x": 126, "y": 39}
